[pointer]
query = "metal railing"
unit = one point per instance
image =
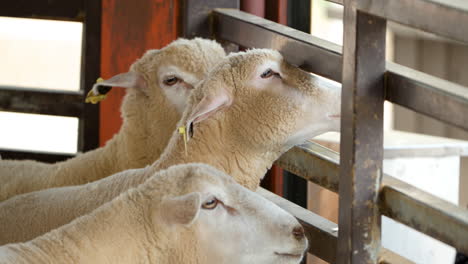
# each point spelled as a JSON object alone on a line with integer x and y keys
{"x": 367, "y": 80}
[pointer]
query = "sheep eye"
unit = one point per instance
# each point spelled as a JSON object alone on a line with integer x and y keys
{"x": 268, "y": 73}
{"x": 210, "y": 204}
{"x": 171, "y": 80}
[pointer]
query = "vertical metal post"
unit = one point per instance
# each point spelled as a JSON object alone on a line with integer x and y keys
{"x": 361, "y": 136}
{"x": 88, "y": 134}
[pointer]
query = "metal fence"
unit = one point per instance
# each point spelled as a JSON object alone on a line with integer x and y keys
{"x": 367, "y": 81}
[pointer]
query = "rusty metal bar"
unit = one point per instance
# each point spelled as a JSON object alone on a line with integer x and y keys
{"x": 425, "y": 213}
{"x": 427, "y": 94}
{"x": 314, "y": 163}
{"x": 447, "y": 18}
{"x": 41, "y": 101}
{"x": 308, "y": 52}
{"x": 361, "y": 136}
{"x": 321, "y": 233}
{"x": 301, "y": 160}
{"x": 399, "y": 200}
{"x": 442, "y": 17}
{"x": 50, "y": 9}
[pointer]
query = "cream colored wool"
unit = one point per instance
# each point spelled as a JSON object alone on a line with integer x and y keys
{"x": 149, "y": 118}
{"x": 179, "y": 215}
{"x": 254, "y": 121}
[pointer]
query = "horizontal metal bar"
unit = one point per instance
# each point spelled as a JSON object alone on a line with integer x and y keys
{"x": 321, "y": 233}
{"x": 420, "y": 14}
{"x": 50, "y": 9}
{"x": 400, "y": 201}
{"x": 301, "y": 49}
{"x": 426, "y": 94}
{"x": 314, "y": 163}
{"x": 49, "y": 157}
{"x": 40, "y": 101}
{"x": 420, "y": 92}
{"x": 447, "y": 18}
{"x": 425, "y": 213}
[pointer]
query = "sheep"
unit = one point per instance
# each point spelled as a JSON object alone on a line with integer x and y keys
{"x": 249, "y": 110}
{"x": 179, "y": 215}
{"x": 159, "y": 83}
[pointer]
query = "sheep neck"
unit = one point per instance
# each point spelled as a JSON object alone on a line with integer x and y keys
{"x": 107, "y": 227}
{"x": 146, "y": 130}
{"x": 210, "y": 146}
{"x": 128, "y": 149}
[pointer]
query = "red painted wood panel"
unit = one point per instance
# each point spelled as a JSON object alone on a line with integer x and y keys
{"x": 129, "y": 28}
{"x": 256, "y": 7}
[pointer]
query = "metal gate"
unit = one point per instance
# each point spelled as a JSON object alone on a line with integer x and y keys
{"x": 367, "y": 81}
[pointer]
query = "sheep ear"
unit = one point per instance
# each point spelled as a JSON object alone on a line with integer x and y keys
{"x": 182, "y": 210}
{"x": 209, "y": 105}
{"x": 126, "y": 80}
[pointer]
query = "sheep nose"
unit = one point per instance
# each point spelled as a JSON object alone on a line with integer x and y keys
{"x": 298, "y": 232}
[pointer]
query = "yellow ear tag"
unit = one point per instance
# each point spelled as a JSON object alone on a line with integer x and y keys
{"x": 183, "y": 132}
{"x": 92, "y": 98}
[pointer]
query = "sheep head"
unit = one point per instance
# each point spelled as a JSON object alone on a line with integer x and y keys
{"x": 221, "y": 221}
{"x": 158, "y": 85}
{"x": 263, "y": 104}
{"x": 174, "y": 70}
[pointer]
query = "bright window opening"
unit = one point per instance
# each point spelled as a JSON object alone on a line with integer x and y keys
{"x": 38, "y": 132}
{"x": 37, "y": 53}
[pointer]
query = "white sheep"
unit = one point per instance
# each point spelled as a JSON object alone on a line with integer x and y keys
{"x": 159, "y": 83}
{"x": 249, "y": 110}
{"x": 189, "y": 213}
